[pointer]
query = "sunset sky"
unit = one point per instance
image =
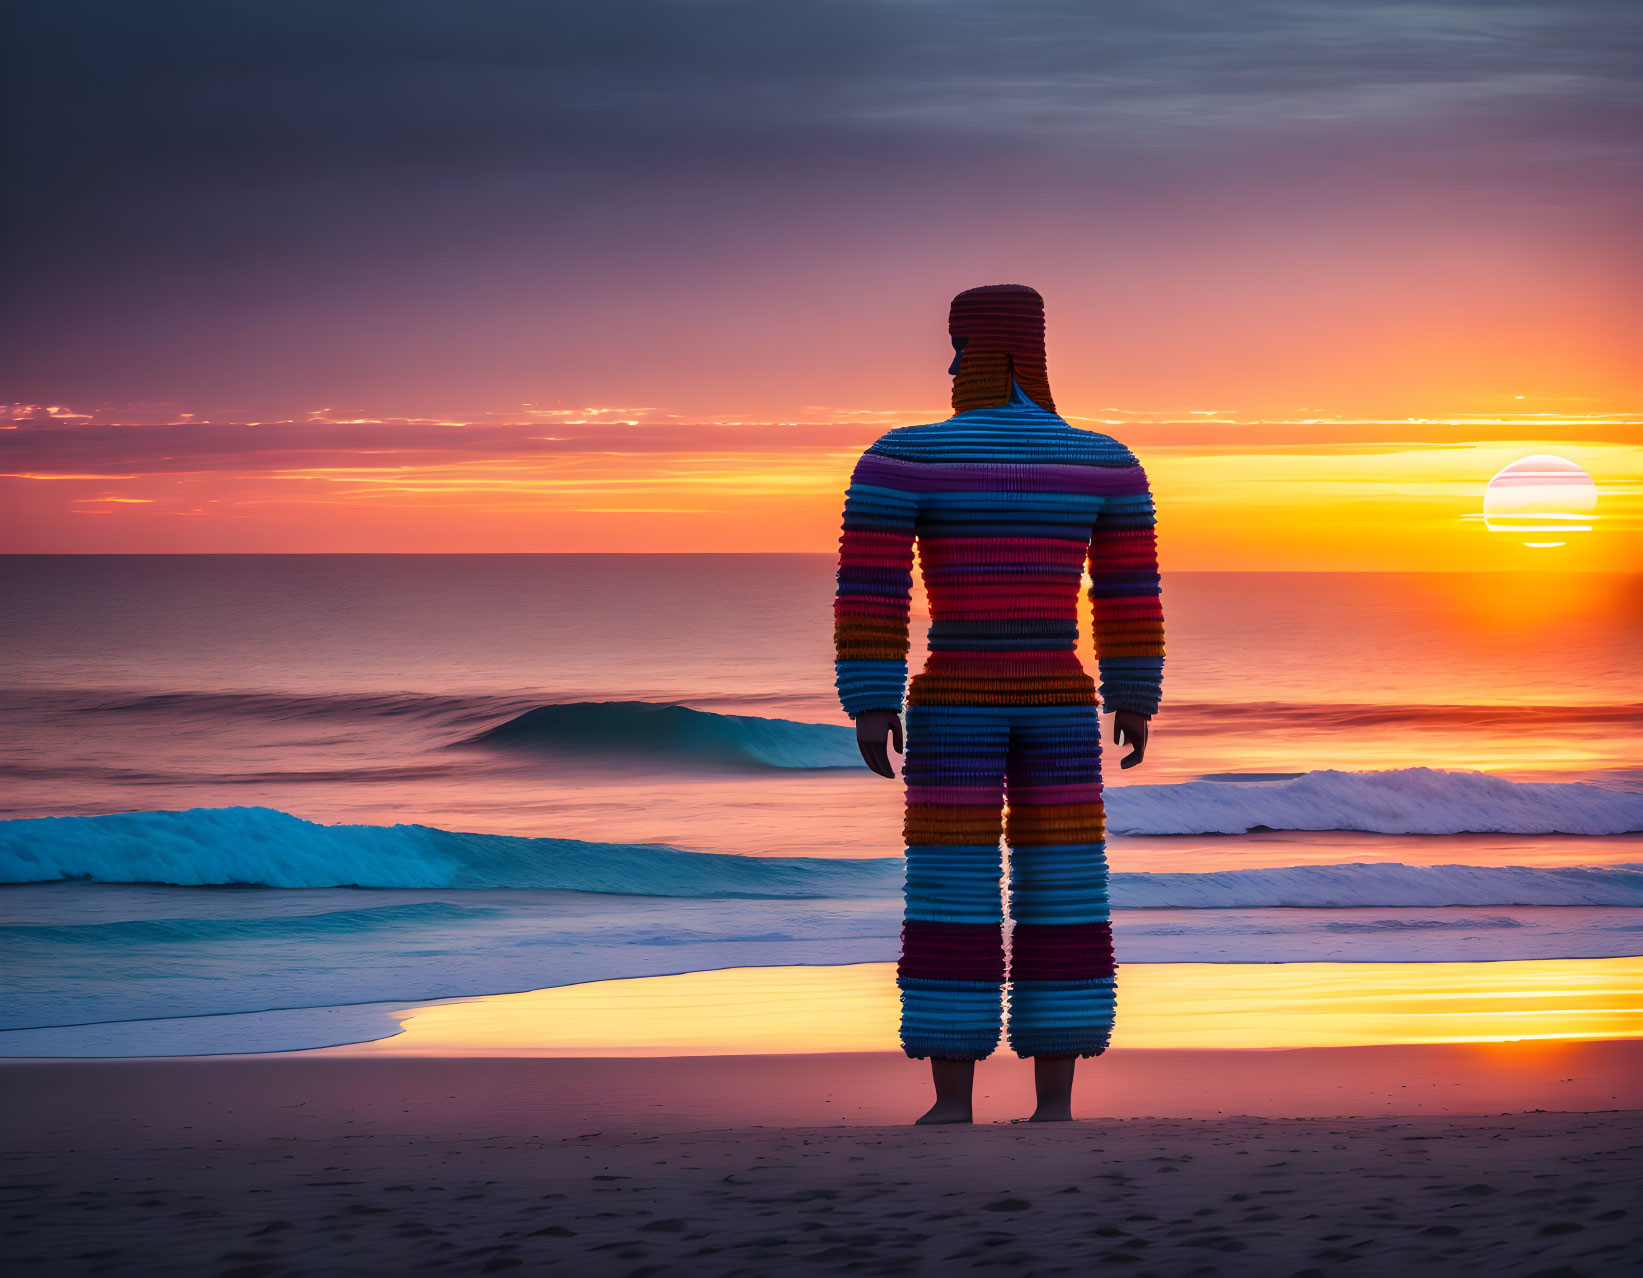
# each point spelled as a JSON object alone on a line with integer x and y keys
{"x": 648, "y": 277}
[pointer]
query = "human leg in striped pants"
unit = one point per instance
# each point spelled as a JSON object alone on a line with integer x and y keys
{"x": 960, "y": 764}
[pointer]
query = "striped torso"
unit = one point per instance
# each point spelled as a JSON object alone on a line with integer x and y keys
{"x": 1005, "y": 505}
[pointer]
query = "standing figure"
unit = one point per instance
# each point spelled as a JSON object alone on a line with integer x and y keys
{"x": 1006, "y": 502}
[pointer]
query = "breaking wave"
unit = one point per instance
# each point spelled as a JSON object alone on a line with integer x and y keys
{"x": 644, "y": 730}
{"x": 220, "y": 846}
{"x": 274, "y": 849}
{"x": 1398, "y": 801}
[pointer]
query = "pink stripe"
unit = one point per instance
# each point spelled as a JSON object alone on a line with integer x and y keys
{"x": 1035, "y": 477}
{"x": 980, "y": 796}
{"x": 1044, "y": 796}
{"x": 1007, "y": 550}
{"x": 953, "y": 662}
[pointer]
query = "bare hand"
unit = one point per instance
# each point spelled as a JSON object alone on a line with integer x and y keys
{"x": 872, "y": 727}
{"x": 1130, "y": 728}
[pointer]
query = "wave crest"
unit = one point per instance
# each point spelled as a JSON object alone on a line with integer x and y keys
{"x": 209, "y": 846}
{"x": 676, "y": 734}
{"x": 259, "y": 846}
{"x": 1397, "y": 801}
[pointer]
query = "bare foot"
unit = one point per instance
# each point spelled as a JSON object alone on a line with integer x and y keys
{"x": 944, "y": 1112}
{"x": 1052, "y": 1114}
{"x": 1053, "y": 1081}
{"x": 955, "y": 1082}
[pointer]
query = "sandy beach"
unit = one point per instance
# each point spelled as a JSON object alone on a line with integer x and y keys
{"x": 742, "y": 1165}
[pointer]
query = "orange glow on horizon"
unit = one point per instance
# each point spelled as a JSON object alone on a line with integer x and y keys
{"x": 1282, "y": 502}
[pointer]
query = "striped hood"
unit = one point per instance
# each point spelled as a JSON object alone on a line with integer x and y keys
{"x": 1003, "y": 328}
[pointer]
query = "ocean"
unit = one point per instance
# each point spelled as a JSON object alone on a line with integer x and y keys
{"x": 268, "y": 789}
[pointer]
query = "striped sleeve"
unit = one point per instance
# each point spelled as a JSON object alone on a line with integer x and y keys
{"x": 1125, "y": 598}
{"x": 875, "y": 587}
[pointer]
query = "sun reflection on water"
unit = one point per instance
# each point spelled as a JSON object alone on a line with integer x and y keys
{"x": 854, "y": 1008}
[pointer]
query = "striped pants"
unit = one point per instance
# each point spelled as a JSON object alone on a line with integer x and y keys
{"x": 962, "y": 764}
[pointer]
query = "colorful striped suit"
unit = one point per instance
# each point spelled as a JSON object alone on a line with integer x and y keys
{"x": 1005, "y": 502}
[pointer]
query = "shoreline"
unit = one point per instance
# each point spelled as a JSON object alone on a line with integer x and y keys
{"x": 251, "y": 1096}
{"x": 853, "y": 1007}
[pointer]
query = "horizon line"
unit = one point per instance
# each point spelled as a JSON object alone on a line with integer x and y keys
{"x": 732, "y": 554}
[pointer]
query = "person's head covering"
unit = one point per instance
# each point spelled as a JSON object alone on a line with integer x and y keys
{"x": 1003, "y": 325}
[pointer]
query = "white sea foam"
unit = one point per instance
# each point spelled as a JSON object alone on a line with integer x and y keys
{"x": 1398, "y": 801}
